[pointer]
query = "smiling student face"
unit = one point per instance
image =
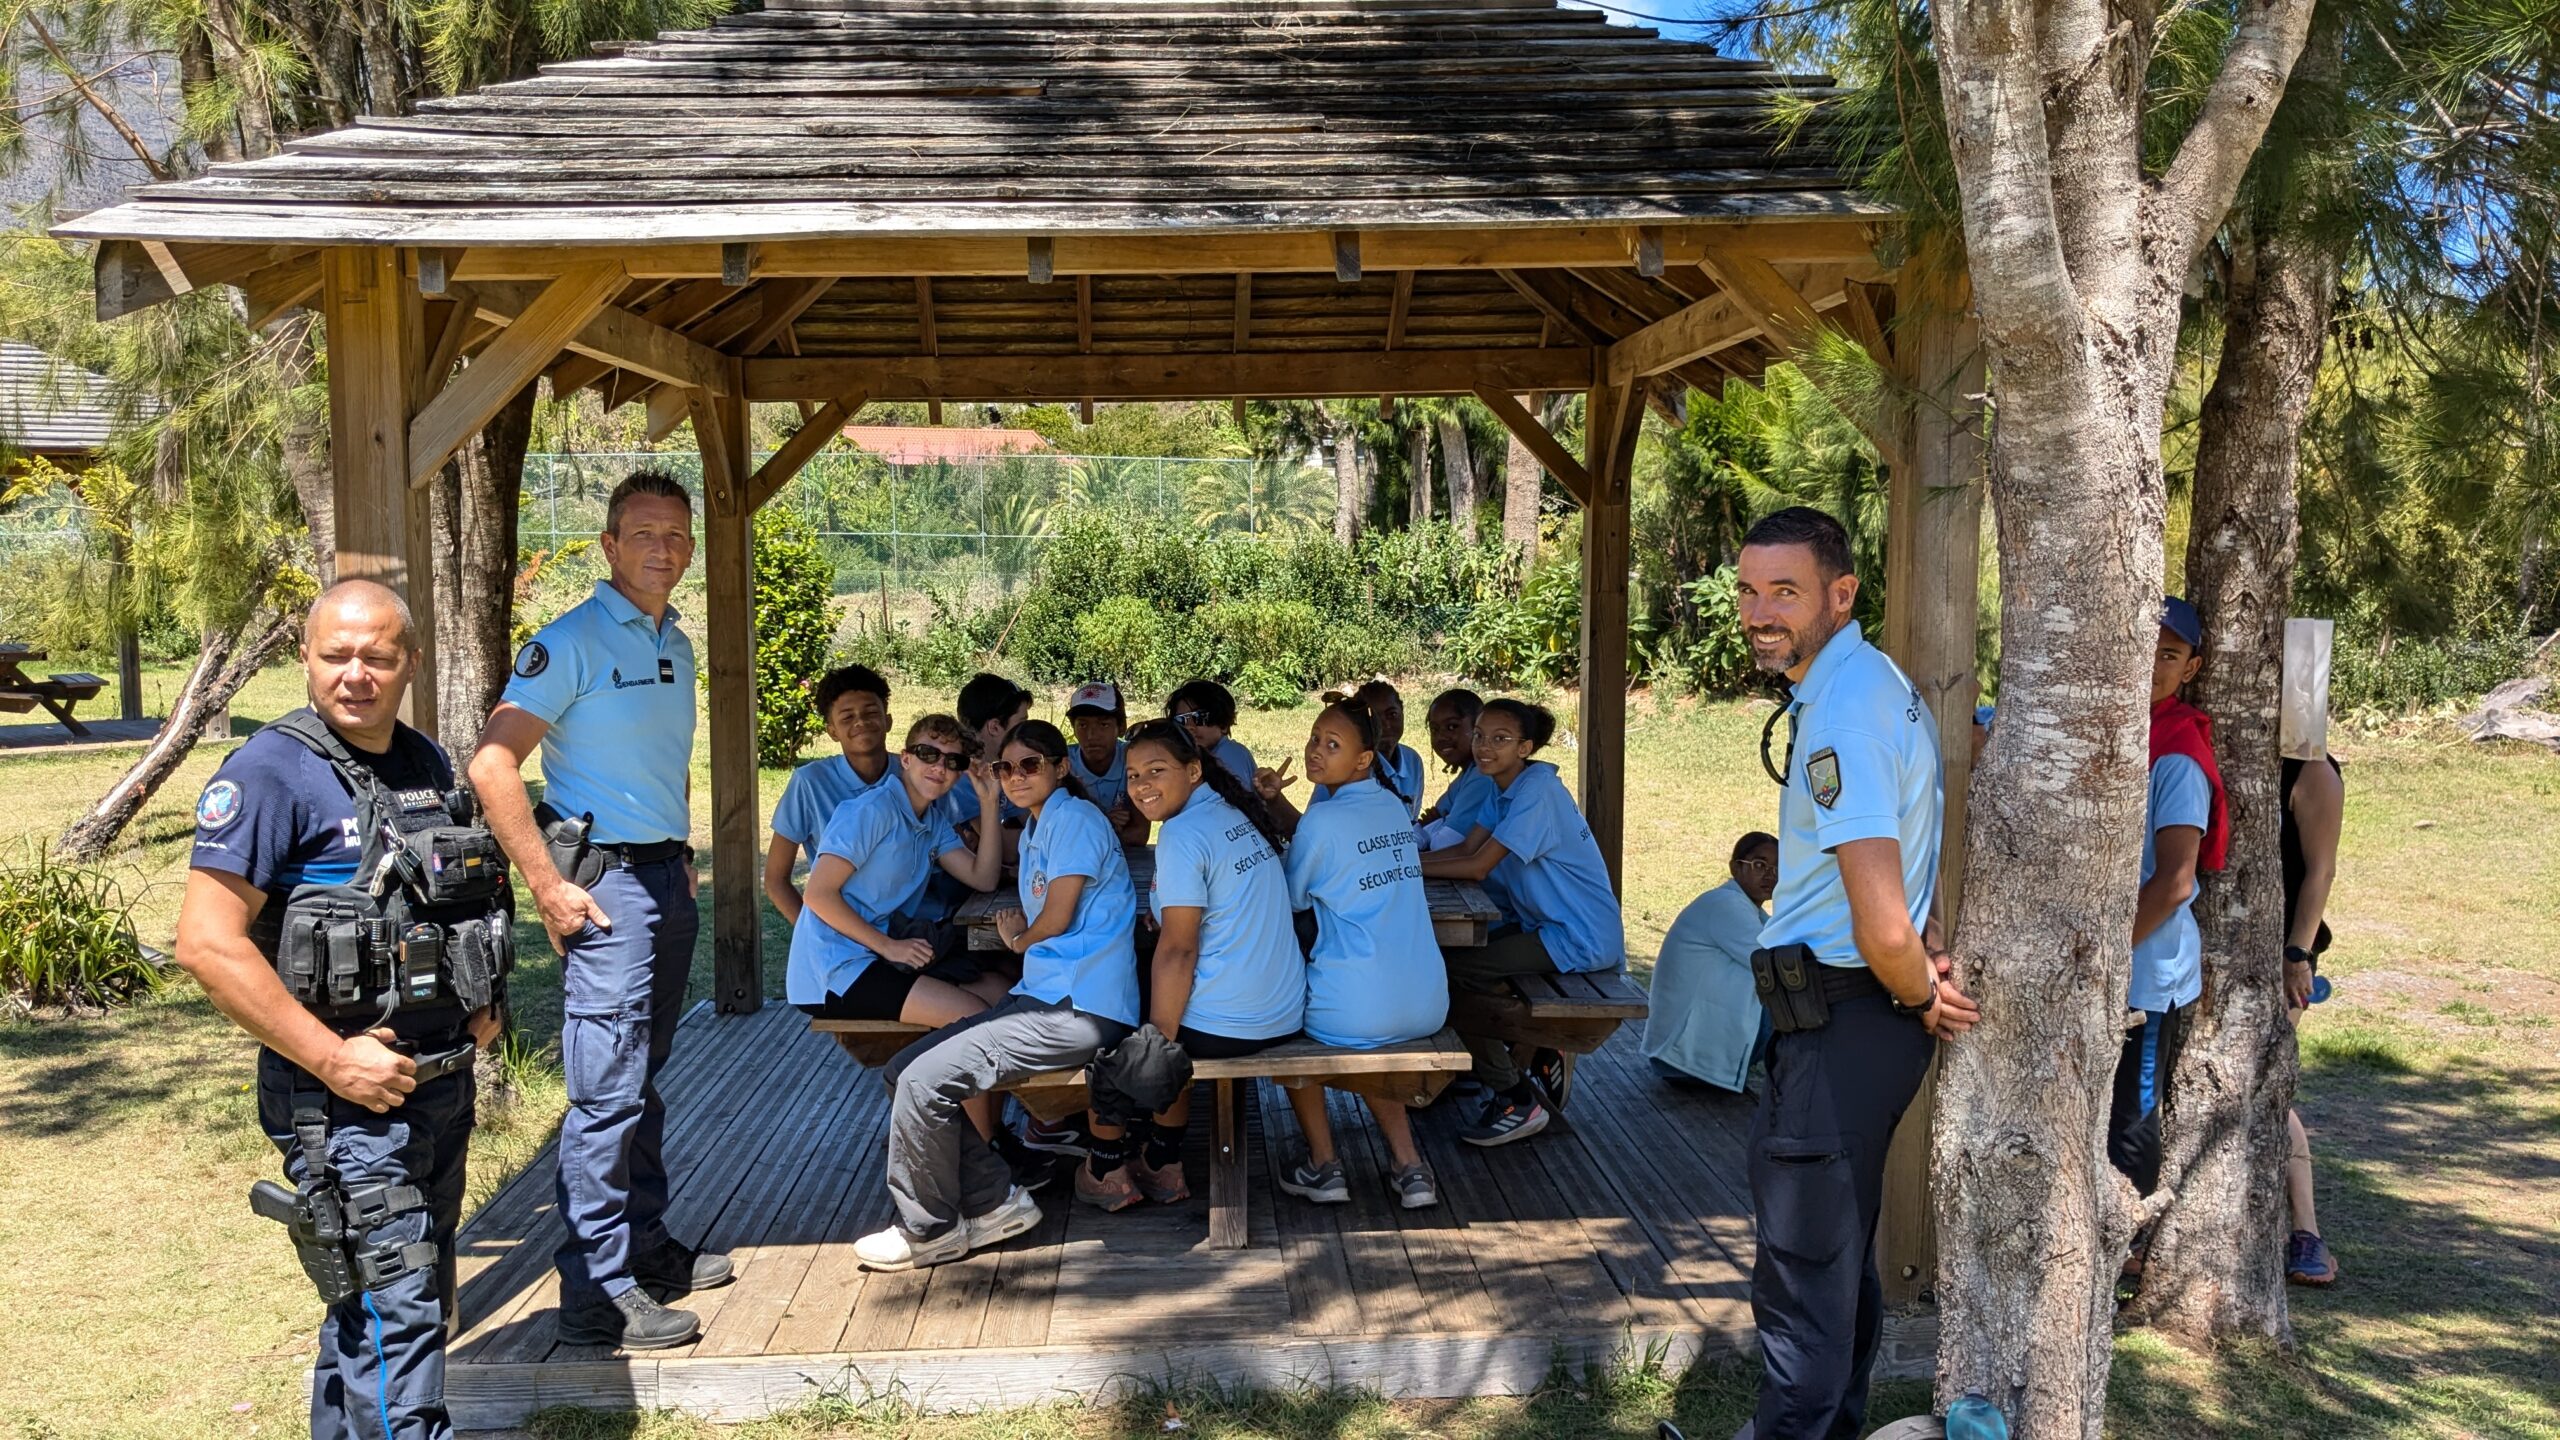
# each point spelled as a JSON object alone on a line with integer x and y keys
{"x": 927, "y": 766}
{"x": 1159, "y": 784}
{"x": 1453, "y": 736}
{"x": 1500, "y": 747}
{"x": 859, "y": 721}
{"x": 1334, "y": 754}
{"x": 1029, "y": 777}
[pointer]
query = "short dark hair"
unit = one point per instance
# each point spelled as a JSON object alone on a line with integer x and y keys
{"x": 988, "y": 698}
{"x": 849, "y": 680}
{"x": 643, "y": 482}
{"x": 1752, "y": 840}
{"x": 1209, "y": 698}
{"x": 1537, "y": 723}
{"x": 1826, "y": 537}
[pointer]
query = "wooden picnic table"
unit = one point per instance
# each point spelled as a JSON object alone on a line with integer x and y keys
{"x": 1461, "y": 913}
{"x": 21, "y": 692}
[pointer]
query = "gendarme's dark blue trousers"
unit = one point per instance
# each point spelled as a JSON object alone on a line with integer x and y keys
{"x": 380, "y": 1375}
{"x": 623, "y": 994}
{"x": 1818, "y": 1144}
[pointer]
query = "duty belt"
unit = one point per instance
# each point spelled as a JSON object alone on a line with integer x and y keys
{"x": 1849, "y": 982}
{"x": 649, "y": 853}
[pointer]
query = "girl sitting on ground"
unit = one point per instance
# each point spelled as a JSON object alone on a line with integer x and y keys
{"x": 1559, "y": 913}
{"x": 952, "y": 1191}
{"x": 1374, "y": 975}
{"x": 1206, "y": 712}
{"x": 1227, "y": 979}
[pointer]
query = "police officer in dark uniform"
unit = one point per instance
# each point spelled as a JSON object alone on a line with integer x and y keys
{"x": 606, "y": 692}
{"x": 364, "y": 1074}
{"x": 1857, "y": 998}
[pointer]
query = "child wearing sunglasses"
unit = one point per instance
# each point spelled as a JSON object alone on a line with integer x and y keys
{"x": 857, "y": 951}
{"x": 1205, "y": 711}
{"x": 952, "y": 1191}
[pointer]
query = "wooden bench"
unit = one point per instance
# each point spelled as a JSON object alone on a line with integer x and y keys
{"x": 1462, "y": 915}
{"x": 1411, "y": 1073}
{"x": 1575, "y": 1014}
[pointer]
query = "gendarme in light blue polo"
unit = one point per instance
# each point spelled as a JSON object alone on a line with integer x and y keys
{"x": 1865, "y": 767}
{"x": 618, "y": 694}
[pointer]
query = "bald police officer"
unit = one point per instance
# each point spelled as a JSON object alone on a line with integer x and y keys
{"x": 607, "y": 693}
{"x": 371, "y": 1111}
{"x": 1857, "y": 998}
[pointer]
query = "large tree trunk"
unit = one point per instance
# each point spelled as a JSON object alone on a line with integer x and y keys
{"x": 476, "y": 511}
{"x": 2077, "y": 257}
{"x": 1458, "y": 469}
{"x": 230, "y": 657}
{"x": 1350, "y": 497}
{"x": 2215, "y": 1266}
{"x": 1521, "y": 487}
{"x": 1417, "y": 471}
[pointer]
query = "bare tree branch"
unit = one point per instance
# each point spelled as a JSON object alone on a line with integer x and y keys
{"x": 2192, "y": 198}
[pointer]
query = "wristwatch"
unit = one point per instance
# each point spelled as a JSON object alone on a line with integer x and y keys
{"x": 2296, "y": 955}
{"x": 1922, "y": 1009}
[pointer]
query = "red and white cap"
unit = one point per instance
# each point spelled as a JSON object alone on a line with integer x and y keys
{"x": 1100, "y": 696}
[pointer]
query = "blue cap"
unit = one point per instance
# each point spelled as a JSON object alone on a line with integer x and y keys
{"x": 2180, "y": 619}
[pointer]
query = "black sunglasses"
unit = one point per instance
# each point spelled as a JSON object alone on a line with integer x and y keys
{"x": 952, "y": 760}
{"x": 1193, "y": 717}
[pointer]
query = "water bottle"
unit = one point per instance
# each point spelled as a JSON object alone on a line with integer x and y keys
{"x": 1974, "y": 1418}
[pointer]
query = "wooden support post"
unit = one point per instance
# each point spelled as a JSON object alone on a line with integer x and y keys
{"x": 728, "y": 532}
{"x": 1933, "y": 568}
{"x": 1609, "y": 442}
{"x": 384, "y": 527}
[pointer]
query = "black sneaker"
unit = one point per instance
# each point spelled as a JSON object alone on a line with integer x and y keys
{"x": 676, "y": 1268}
{"x": 1554, "y": 1075}
{"x": 629, "y": 1321}
{"x": 1505, "y": 1120}
{"x": 1064, "y": 1137}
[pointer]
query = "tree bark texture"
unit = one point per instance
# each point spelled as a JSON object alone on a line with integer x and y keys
{"x": 2077, "y": 257}
{"x": 1522, "y": 479}
{"x": 1349, "y": 495}
{"x": 1458, "y": 469}
{"x": 476, "y": 514}
{"x": 2215, "y": 1266}
{"x": 1417, "y": 473}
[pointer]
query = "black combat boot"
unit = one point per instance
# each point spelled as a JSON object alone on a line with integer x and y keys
{"x": 676, "y": 1269}
{"x": 631, "y": 1321}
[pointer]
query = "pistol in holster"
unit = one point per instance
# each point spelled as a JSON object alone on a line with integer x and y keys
{"x": 569, "y": 841}
{"x": 332, "y": 1225}
{"x": 1789, "y": 980}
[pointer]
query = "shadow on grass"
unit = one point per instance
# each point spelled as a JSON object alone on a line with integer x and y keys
{"x": 2441, "y": 1323}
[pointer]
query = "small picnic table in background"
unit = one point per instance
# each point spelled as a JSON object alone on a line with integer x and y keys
{"x": 21, "y": 692}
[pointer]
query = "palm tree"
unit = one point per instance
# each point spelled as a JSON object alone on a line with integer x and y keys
{"x": 1261, "y": 496}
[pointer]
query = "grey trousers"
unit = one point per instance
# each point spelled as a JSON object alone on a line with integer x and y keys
{"x": 939, "y": 1171}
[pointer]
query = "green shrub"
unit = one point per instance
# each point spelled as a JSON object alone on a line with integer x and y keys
{"x": 795, "y": 616}
{"x": 1263, "y": 686}
{"x": 1714, "y": 658}
{"x": 2419, "y": 674}
{"x": 66, "y": 937}
{"x": 1534, "y": 640}
{"x": 1288, "y": 636}
{"x": 1119, "y": 641}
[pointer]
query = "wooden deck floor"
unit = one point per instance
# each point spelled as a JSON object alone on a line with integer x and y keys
{"x": 1623, "y": 1228}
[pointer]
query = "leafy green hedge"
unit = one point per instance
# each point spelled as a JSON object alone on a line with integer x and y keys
{"x": 2421, "y": 674}
{"x": 795, "y": 616}
{"x": 67, "y": 938}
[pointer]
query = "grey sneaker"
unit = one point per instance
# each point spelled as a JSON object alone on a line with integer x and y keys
{"x": 1414, "y": 1187}
{"x": 1018, "y": 1213}
{"x": 895, "y": 1249}
{"x": 1322, "y": 1184}
{"x": 1505, "y": 1120}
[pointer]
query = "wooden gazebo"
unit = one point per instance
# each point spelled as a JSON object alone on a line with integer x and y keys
{"x": 833, "y": 202}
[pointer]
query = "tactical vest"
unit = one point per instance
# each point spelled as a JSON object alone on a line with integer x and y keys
{"x": 428, "y": 921}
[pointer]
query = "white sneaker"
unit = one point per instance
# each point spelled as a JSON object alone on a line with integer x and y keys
{"x": 895, "y": 1249}
{"x": 1018, "y": 1213}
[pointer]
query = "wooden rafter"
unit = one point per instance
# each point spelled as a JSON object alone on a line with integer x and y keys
{"x": 619, "y": 338}
{"x": 568, "y": 308}
{"x": 1551, "y": 452}
{"x": 813, "y": 436}
{"x": 1399, "y": 309}
{"x": 1210, "y": 376}
{"x": 1244, "y": 310}
{"x": 1761, "y": 292}
{"x": 779, "y": 303}
{"x": 1677, "y": 339}
{"x": 927, "y": 341}
{"x": 676, "y": 308}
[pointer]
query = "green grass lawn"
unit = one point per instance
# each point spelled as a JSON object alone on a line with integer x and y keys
{"x": 144, "y": 1299}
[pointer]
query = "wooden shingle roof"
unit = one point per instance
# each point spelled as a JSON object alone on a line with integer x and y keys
{"x": 814, "y": 119}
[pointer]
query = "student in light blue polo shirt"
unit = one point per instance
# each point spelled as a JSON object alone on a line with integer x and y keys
{"x": 1076, "y": 934}
{"x": 853, "y": 701}
{"x": 1374, "y": 974}
{"x": 1227, "y": 978}
{"x": 606, "y": 692}
{"x": 1208, "y": 712}
{"x": 1560, "y": 911}
{"x": 1099, "y": 761}
{"x": 1857, "y": 871}
{"x": 2183, "y": 834}
{"x": 1703, "y": 1020}
{"x": 1399, "y": 767}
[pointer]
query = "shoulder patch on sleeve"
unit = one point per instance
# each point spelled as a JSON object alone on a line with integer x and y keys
{"x": 532, "y": 660}
{"x": 1822, "y": 777}
{"x": 218, "y": 806}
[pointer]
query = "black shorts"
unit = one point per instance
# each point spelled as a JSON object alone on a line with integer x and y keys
{"x": 1201, "y": 1045}
{"x": 878, "y": 993}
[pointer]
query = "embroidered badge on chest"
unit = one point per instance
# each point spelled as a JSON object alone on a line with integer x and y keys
{"x": 1822, "y": 777}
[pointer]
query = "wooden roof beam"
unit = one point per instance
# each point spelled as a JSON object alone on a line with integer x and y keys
{"x": 534, "y": 334}
{"x": 1551, "y": 452}
{"x": 1399, "y": 309}
{"x": 1668, "y": 344}
{"x": 621, "y": 339}
{"x": 675, "y": 309}
{"x": 801, "y": 448}
{"x": 1212, "y": 376}
{"x": 1244, "y": 310}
